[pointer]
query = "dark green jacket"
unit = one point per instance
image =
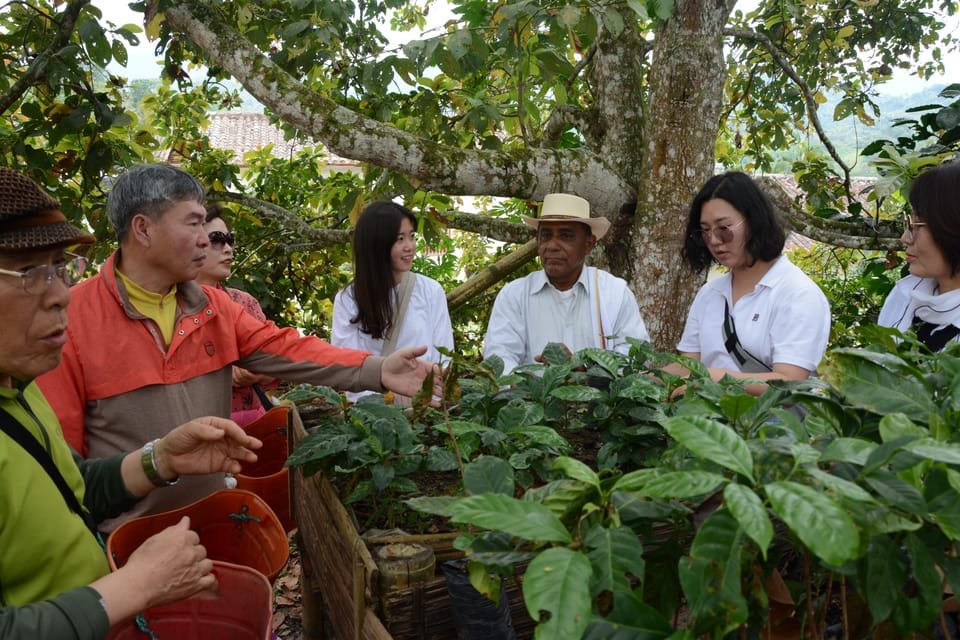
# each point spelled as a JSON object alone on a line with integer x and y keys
{"x": 48, "y": 556}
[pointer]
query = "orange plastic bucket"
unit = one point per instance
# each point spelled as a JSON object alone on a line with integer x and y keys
{"x": 241, "y": 609}
{"x": 267, "y": 477}
{"x": 234, "y": 525}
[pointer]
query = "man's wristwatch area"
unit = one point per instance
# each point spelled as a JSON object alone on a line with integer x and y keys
{"x": 148, "y": 460}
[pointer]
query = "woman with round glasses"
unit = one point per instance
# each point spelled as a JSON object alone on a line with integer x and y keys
{"x": 764, "y": 319}
{"x": 927, "y": 300}
{"x": 247, "y": 405}
{"x": 387, "y": 306}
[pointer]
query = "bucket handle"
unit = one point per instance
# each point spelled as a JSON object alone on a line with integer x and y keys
{"x": 243, "y": 517}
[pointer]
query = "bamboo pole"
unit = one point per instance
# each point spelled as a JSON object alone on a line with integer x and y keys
{"x": 492, "y": 274}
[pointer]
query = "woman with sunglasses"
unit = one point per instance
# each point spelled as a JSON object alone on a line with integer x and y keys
{"x": 247, "y": 404}
{"x": 927, "y": 300}
{"x": 387, "y": 306}
{"x": 764, "y": 319}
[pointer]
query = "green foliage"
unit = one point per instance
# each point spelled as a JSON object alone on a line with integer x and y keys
{"x": 862, "y": 477}
{"x": 856, "y": 284}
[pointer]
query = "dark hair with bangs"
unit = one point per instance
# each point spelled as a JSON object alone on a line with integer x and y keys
{"x": 935, "y": 199}
{"x": 766, "y": 232}
{"x": 373, "y": 239}
{"x": 215, "y": 211}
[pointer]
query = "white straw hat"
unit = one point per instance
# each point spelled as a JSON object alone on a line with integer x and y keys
{"x": 566, "y": 207}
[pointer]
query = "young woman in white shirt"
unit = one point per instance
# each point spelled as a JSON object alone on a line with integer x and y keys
{"x": 367, "y": 311}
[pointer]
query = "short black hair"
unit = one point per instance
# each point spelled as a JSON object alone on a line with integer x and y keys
{"x": 935, "y": 199}
{"x": 767, "y": 233}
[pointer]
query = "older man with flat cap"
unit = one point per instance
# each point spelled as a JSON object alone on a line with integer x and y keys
{"x": 567, "y": 302}
{"x": 54, "y": 578}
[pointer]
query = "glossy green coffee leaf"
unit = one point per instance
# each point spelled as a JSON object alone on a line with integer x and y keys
{"x": 713, "y": 441}
{"x": 820, "y": 523}
{"x": 558, "y": 582}
{"x": 526, "y": 520}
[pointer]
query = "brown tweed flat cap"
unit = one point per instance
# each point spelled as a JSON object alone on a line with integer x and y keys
{"x": 31, "y": 219}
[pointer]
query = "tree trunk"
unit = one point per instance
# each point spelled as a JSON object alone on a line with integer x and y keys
{"x": 686, "y": 82}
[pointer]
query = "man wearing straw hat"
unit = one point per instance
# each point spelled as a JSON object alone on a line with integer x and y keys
{"x": 54, "y": 577}
{"x": 566, "y": 302}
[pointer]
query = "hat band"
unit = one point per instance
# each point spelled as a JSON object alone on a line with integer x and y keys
{"x": 38, "y": 219}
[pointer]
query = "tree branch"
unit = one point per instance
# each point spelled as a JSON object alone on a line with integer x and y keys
{"x": 493, "y": 228}
{"x": 781, "y": 59}
{"x": 287, "y": 221}
{"x": 565, "y": 115}
{"x": 852, "y": 232}
{"x": 526, "y": 173}
{"x": 37, "y": 68}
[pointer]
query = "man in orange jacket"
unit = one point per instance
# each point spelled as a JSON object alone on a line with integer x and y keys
{"x": 148, "y": 348}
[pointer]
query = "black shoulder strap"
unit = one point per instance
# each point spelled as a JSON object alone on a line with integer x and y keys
{"x": 262, "y": 395}
{"x": 747, "y": 361}
{"x": 934, "y": 336}
{"x": 23, "y": 437}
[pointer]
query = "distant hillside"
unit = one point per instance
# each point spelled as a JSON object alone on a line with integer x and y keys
{"x": 850, "y": 136}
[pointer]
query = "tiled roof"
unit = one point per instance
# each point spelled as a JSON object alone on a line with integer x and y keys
{"x": 249, "y": 131}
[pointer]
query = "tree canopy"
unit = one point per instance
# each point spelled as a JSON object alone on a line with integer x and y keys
{"x": 630, "y": 104}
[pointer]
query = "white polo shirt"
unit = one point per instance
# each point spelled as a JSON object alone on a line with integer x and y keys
{"x": 785, "y": 319}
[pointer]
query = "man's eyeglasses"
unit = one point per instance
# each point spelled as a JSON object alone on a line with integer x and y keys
{"x": 723, "y": 233}
{"x": 36, "y": 280}
{"x": 219, "y": 238}
{"x": 910, "y": 226}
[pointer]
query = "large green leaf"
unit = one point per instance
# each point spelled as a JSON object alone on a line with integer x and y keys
{"x": 526, "y": 520}
{"x": 577, "y": 470}
{"x": 886, "y": 574}
{"x": 578, "y": 393}
{"x": 713, "y": 441}
{"x": 635, "y": 480}
{"x": 948, "y": 452}
{"x": 840, "y": 486}
{"x": 920, "y": 609}
{"x": 488, "y": 474}
{"x": 710, "y": 576}
{"x": 877, "y": 382}
{"x": 851, "y": 450}
{"x": 820, "y": 523}
{"x": 747, "y": 507}
{"x": 631, "y": 619}
{"x": 558, "y": 582}
{"x": 897, "y": 492}
{"x": 615, "y": 555}
{"x": 437, "y": 505}
{"x": 682, "y": 484}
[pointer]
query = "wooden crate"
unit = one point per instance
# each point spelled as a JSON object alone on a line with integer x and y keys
{"x": 345, "y": 577}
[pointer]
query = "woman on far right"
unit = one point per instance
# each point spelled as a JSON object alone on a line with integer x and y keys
{"x": 928, "y": 300}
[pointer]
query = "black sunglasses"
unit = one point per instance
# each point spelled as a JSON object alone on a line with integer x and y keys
{"x": 219, "y": 238}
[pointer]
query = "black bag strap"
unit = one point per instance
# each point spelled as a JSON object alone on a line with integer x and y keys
{"x": 24, "y": 438}
{"x": 934, "y": 336}
{"x": 262, "y": 395}
{"x": 747, "y": 361}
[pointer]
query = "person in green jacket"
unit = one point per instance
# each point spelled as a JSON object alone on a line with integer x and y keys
{"x": 54, "y": 578}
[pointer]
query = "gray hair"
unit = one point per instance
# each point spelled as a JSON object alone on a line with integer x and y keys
{"x": 150, "y": 190}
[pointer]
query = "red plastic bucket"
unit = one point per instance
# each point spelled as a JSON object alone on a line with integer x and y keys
{"x": 234, "y": 525}
{"x": 267, "y": 477}
{"x": 241, "y": 609}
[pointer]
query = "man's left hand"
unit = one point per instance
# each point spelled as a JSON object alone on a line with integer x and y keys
{"x": 403, "y": 372}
